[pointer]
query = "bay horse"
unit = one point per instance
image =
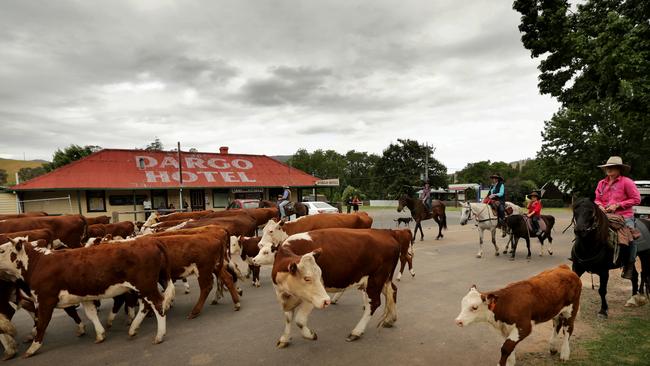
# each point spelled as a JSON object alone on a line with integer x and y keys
{"x": 419, "y": 212}
{"x": 518, "y": 227}
{"x": 592, "y": 253}
{"x": 485, "y": 220}
{"x": 293, "y": 208}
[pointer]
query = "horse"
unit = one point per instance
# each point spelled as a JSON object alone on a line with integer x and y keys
{"x": 592, "y": 253}
{"x": 419, "y": 212}
{"x": 293, "y": 208}
{"x": 518, "y": 227}
{"x": 485, "y": 220}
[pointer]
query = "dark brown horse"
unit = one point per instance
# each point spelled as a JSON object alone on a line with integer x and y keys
{"x": 294, "y": 208}
{"x": 419, "y": 212}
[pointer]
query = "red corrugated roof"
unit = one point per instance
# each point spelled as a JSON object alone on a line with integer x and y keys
{"x": 140, "y": 169}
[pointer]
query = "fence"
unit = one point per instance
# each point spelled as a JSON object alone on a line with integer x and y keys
{"x": 43, "y": 204}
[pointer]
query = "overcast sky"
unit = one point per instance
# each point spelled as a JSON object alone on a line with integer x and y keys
{"x": 269, "y": 77}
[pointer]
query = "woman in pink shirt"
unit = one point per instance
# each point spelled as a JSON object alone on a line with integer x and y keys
{"x": 617, "y": 194}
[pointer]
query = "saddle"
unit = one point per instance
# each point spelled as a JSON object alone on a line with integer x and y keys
{"x": 624, "y": 233}
{"x": 529, "y": 224}
{"x": 289, "y": 207}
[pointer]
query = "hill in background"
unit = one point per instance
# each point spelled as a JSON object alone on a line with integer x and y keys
{"x": 13, "y": 166}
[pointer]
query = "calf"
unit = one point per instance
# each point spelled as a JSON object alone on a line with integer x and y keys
{"x": 334, "y": 259}
{"x": 122, "y": 229}
{"x": 98, "y": 220}
{"x": 68, "y": 230}
{"x": 69, "y": 277}
{"x": 247, "y": 248}
{"x": 513, "y": 310}
{"x": 32, "y": 235}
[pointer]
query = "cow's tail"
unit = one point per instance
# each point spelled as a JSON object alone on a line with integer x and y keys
{"x": 166, "y": 278}
{"x": 6, "y": 326}
{"x": 85, "y": 231}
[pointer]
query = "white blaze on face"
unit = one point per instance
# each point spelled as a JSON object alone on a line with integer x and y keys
{"x": 472, "y": 308}
{"x": 273, "y": 232}
{"x": 266, "y": 255}
{"x": 304, "y": 280}
{"x": 235, "y": 248}
{"x": 464, "y": 214}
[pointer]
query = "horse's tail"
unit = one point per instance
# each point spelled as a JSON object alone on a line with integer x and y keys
{"x": 443, "y": 220}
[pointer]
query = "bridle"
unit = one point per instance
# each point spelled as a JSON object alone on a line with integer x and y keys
{"x": 476, "y": 215}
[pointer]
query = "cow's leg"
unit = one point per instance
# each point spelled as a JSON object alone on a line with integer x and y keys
{"x": 72, "y": 312}
{"x": 10, "y": 346}
{"x": 336, "y": 297}
{"x": 357, "y": 332}
{"x": 118, "y": 301}
{"x": 285, "y": 338}
{"x": 390, "y": 309}
{"x": 557, "y": 325}
{"x": 135, "y": 324}
{"x": 91, "y": 313}
{"x": 402, "y": 264}
{"x": 494, "y": 242}
{"x": 480, "y": 243}
{"x": 301, "y": 316}
{"x": 409, "y": 260}
{"x": 226, "y": 278}
{"x": 186, "y": 285}
{"x": 156, "y": 306}
{"x": 205, "y": 285}
{"x": 517, "y": 334}
{"x": 256, "y": 276}
{"x": 45, "y": 309}
{"x": 602, "y": 291}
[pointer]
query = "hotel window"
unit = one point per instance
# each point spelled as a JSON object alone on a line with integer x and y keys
{"x": 96, "y": 201}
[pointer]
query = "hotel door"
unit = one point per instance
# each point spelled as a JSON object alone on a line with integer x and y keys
{"x": 197, "y": 199}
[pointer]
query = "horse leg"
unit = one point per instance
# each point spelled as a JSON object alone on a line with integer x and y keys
{"x": 631, "y": 302}
{"x": 515, "y": 241}
{"x": 602, "y": 291}
{"x": 421, "y": 232}
{"x": 415, "y": 231}
{"x": 494, "y": 242}
{"x": 528, "y": 247}
{"x": 480, "y": 243}
{"x": 508, "y": 245}
{"x": 437, "y": 220}
{"x": 550, "y": 242}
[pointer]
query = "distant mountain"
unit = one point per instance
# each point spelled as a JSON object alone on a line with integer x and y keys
{"x": 13, "y": 166}
{"x": 282, "y": 158}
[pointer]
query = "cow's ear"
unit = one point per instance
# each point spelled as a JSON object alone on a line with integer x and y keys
{"x": 282, "y": 222}
{"x": 18, "y": 245}
{"x": 293, "y": 268}
{"x": 473, "y": 287}
{"x": 316, "y": 253}
{"x": 492, "y": 301}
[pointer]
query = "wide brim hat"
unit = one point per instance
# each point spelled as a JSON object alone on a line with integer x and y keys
{"x": 497, "y": 176}
{"x": 616, "y": 161}
{"x": 533, "y": 193}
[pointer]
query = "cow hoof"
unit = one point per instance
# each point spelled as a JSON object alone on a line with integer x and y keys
{"x": 528, "y": 256}
{"x": 27, "y": 355}
{"x": 553, "y": 351}
{"x": 313, "y": 337}
{"x": 187, "y": 292}
{"x": 100, "y": 339}
{"x": 157, "y": 340}
{"x": 550, "y": 252}
{"x": 478, "y": 256}
{"x": 214, "y": 302}
{"x": 496, "y": 253}
{"x": 240, "y": 292}
{"x": 131, "y": 335}
{"x": 8, "y": 356}
{"x": 353, "y": 337}
{"x": 237, "y": 306}
{"x": 192, "y": 315}
{"x": 282, "y": 344}
{"x": 505, "y": 251}
{"x": 386, "y": 325}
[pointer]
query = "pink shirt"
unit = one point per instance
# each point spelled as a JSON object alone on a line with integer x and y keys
{"x": 622, "y": 191}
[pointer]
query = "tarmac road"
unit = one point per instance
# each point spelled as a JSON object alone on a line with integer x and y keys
{"x": 425, "y": 333}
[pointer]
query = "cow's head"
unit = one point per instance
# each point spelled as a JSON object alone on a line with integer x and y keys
{"x": 273, "y": 232}
{"x": 476, "y": 307}
{"x": 303, "y": 279}
{"x": 266, "y": 255}
{"x": 153, "y": 218}
{"x": 13, "y": 258}
{"x": 235, "y": 246}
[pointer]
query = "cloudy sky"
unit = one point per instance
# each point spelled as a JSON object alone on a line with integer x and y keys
{"x": 269, "y": 77}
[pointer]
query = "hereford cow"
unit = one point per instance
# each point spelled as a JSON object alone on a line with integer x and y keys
{"x": 405, "y": 238}
{"x": 19, "y": 216}
{"x": 69, "y": 277}
{"x": 122, "y": 229}
{"x": 247, "y": 248}
{"x": 98, "y": 220}
{"x": 32, "y": 235}
{"x": 307, "y": 264}
{"x": 235, "y": 225}
{"x": 275, "y": 233}
{"x": 68, "y": 230}
{"x": 515, "y": 309}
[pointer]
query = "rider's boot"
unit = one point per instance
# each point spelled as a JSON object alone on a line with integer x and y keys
{"x": 628, "y": 271}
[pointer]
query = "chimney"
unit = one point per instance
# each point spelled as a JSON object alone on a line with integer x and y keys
{"x": 223, "y": 150}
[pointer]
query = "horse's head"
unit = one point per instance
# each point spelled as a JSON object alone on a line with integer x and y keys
{"x": 402, "y": 202}
{"x": 585, "y": 217}
{"x": 465, "y": 213}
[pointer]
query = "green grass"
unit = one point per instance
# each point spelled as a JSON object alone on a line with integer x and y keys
{"x": 13, "y": 166}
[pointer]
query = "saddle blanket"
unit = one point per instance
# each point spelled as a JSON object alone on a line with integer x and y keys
{"x": 529, "y": 223}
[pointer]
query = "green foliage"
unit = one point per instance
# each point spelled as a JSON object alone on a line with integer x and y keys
{"x": 25, "y": 174}
{"x": 349, "y": 192}
{"x": 597, "y": 64}
{"x": 3, "y": 177}
{"x": 480, "y": 172}
{"x": 517, "y": 189}
{"x": 551, "y": 203}
{"x": 155, "y": 145}
{"x": 69, "y": 154}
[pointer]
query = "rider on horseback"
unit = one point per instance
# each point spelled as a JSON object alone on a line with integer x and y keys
{"x": 425, "y": 196}
{"x": 284, "y": 200}
{"x": 535, "y": 212}
{"x": 616, "y": 194}
{"x": 497, "y": 194}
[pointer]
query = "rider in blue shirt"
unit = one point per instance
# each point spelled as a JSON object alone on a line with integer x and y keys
{"x": 498, "y": 193}
{"x": 284, "y": 200}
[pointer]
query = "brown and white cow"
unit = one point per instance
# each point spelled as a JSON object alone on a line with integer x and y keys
{"x": 123, "y": 229}
{"x": 405, "y": 238}
{"x": 98, "y": 220}
{"x": 275, "y": 233}
{"x": 247, "y": 248}
{"x": 309, "y": 264}
{"x": 69, "y": 277}
{"x": 19, "y": 216}
{"x": 235, "y": 225}
{"x": 515, "y": 309}
{"x": 32, "y": 235}
{"x": 69, "y": 230}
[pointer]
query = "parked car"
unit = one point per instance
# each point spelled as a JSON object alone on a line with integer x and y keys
{"x": 317, "y": 207}
{"x": 244, "y": 203}
{"x": 643, "y": 209}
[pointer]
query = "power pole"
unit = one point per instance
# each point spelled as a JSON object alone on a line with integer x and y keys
{"x": 426, "y": 163}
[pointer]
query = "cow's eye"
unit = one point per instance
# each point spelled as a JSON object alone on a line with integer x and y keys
{"x": 474, "y": 308}
{"x": 2, "y": 251}
{"x": 307, "y": 279}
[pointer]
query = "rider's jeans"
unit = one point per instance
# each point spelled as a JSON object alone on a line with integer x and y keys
{"x": 630, "y": 222}
{"x": 281, "y": 205}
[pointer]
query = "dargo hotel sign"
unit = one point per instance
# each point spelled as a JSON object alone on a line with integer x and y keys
{"x": 213, "y": 170}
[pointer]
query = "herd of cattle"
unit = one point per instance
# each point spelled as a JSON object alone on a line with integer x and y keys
{"x": 49, "y": 262}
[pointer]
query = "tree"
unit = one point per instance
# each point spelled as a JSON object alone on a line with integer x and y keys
{"x": 25, "y": 174}
{"x": 155, "y": 145}
{"x": 480, "y": 172}
{"x": 3, "y": 177}
{"x": 400, "y": 167}
{"x": 68, "y": 155}
{"x": 596, "y": 63}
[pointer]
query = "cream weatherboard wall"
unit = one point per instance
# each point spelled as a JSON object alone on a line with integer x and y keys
{"x": 8, "y": 203}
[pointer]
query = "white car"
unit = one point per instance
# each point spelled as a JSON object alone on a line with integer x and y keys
{"x": 316, "y": 208}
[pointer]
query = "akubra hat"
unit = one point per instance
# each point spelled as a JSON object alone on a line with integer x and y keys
{"x": 497, "y": 176}
{"x": 616, "y": 161}
{"x": 533, "y": 193}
